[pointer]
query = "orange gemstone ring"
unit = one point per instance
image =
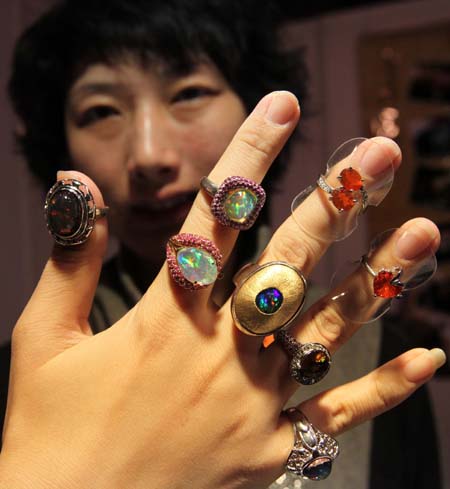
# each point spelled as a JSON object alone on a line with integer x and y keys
{"x": 349, "y": 193}
{"x": 386, "y": 282}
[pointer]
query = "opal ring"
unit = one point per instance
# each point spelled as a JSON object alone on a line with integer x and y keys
{"x": 70, "y": 212}
{"x": 236, "y": 202}
{"x": 194, "y": 261}
{"x": 267, "y": 298}
{"x": 349, "y": 193}
{"x": 314, "y": 451}
{"x": 309, "y": 362}
{"x": 386, "y": 282}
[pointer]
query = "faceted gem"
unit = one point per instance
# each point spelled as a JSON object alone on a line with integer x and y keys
{"x": 310, "y": 367}
{"x": 319, "y": 468}
{"x": 64, "y": 213}
{"x": 268, "y": 301}
{"x": 351, "y": 179}
{"x": 383, "y": 286}
{"x": 197, "y": 265}
{"x": 342, "y": 199}
{"x": 239, "y": 204}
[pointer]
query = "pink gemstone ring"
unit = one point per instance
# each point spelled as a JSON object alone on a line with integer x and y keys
{"x": 70, "y": 212}
{"x": 194, "y": 261}
{"x": 236, "y": 202}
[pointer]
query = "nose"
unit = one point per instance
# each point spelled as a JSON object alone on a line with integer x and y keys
{"x": 153, "y": 159}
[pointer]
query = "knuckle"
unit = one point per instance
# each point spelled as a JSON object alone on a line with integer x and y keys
{"x": 344, "y": 415}
{"x": 329, "y": 324}
{"x": 289, "y": 249}
{"x": 380, "y": 394}
{"x": 253, "y": 143}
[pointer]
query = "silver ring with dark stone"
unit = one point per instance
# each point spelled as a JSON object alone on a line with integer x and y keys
{"x": 70, "y": 212}
{"x": 314, "y": 451}
{"x": 309, "y": 362}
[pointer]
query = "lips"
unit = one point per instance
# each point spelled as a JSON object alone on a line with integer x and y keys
{"x": 167, "y": 211}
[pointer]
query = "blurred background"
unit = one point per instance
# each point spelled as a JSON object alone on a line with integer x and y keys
{"x": 376, "y": 68}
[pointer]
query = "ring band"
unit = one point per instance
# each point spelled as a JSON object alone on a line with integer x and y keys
{"x": 194, "y": 261}
{"x": 236, "y": 202}
{"x": 267, "y": 297}
{"x": 351, "y": 191}
{"x": 309, "y": 363}
{"x": 314, "y": 451}
{"x": 70, "y": 212}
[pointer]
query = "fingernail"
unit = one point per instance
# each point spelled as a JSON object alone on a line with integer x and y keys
{"x": 411, "y": 244}
{"x": 61, "y": 174}
{"x": 282, "y": 108}
{"x": 420, "y": 368}
{"x": 439, "y": 357}
{"x": 374, "y": 162}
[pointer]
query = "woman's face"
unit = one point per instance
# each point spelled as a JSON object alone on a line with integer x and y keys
{"x": 146, "y": 137}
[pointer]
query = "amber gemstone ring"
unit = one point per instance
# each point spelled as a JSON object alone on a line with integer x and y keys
{"x": 314, "y": 451}
{"x": 236, "y": 202}
{"x": 386, "y": 282}
{"x": 70, "y": 212}
{"x": 349, "y": 193}
{"x": 309, "y": 362}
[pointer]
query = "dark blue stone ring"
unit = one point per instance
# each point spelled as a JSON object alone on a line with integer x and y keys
{"x": 70, "y": 212}
{"x": 314, "y": 452}
{"x": 267, "y": 298}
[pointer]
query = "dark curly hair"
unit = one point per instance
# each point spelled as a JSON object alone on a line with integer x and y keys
{"x": 239, "y": 36}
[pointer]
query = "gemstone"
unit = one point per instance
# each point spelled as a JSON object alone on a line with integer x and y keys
{"x": 197, "y": 265}
{"x": 239, "y": 204}
{"x": 383, "y": 286}
{"x": 64, "y": 213}
{"x": 351, "y": 179}
{"x": 268, "y": 301}
{"x": 310, "y": 364}
{"x": 342, "y": 199}
{"x": 319, "y": 468}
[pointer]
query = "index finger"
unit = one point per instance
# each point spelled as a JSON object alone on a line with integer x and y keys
{"x": 250, "y": 154}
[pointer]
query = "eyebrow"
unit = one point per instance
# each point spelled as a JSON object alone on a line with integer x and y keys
{"x": 89, "y": 88}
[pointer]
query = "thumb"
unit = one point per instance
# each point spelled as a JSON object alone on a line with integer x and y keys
{"x": 56, "y": 317}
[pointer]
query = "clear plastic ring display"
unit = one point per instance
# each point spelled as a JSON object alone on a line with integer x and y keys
{"x": 342, "y": 192}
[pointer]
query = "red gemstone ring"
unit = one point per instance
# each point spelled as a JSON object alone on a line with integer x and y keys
{"x": 386, "y": 282}
{"x": 236, "y": 202}
{"x": 70, "y": 212}
{"x": 349, "y": 193}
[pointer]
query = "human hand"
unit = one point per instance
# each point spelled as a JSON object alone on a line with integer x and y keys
{"x": 173, "y": 395}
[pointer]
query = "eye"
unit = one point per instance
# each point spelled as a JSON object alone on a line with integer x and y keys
{"x": 193, "y": 93}
{"x": 96, "y": 113}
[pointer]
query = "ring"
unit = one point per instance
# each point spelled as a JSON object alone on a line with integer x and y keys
{"x": 309, "y": 362}
{"x": 313, "y": 453}
{"x": 386, "y": 282}
{"x": 267, "y": 297}
{"x": 236, "y": 202}
{"x": 351, "y": 191}
{"x": 70, "y": 212}
{"x": 194, "y": 261}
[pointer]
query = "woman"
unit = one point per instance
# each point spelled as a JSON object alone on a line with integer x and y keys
{"x": 144, "y": 98}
